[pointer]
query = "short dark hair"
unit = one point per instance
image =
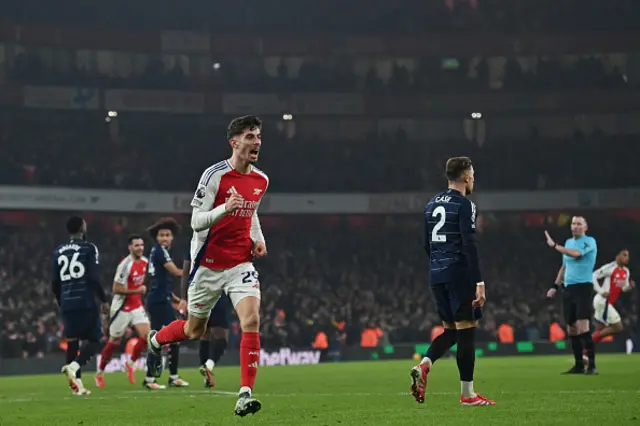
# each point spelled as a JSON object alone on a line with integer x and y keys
{"x": 132, "y": 237}
{"x": 74, "y": 225}
{"x": 239, "y": 125}
{"x": 164, "y": 223}
{"x": 456, "y": 167}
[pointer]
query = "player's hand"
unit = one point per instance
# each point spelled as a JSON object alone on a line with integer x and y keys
{"x": 259, "y": 249}
{"x": 550, "y": 241}
{"x": 182, "y": 306}
{"x": 480, "y": 297}
{"x": 142, "y": 289}
{"x": 604, "y": 294}
{"x": 632, "y": 284}
{"x": 234, "y": 203}
{"x": 551, "y": 293}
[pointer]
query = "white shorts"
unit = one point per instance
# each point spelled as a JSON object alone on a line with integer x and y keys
{"x": 207, "y": 287}
{"x": 123, "y": 320}
{"x": 610, "y": 317}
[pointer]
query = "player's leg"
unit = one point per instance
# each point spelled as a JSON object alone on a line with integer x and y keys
{"x": 439, "y": 346}
{"x": 90, "y": 336}
{"x": 113, "y": 344}
{"x": 157, "y": 313}
{"x": 461, "y": 296}
{"x": 140, "y": 323}
{"x": 204, "y": 292}
{"x": 119, "y": 324}
{"x": 219, "y": 343}
{"x": 569, "y": 311}
{"x": 217, "y": 335}
{"x": 204, "y": 351}
{"x": 611, "y": 324}
{"x": 243, "y": 289}
{"x": 583, "y": 316}
{"x": 73, "y": 346}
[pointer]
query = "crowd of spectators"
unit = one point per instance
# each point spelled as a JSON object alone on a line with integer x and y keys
{"x": 365, "y": 271}
{"x": 417, "y": 75}
{"x": 80, "y": 151}
{"x": 377, "y": 17}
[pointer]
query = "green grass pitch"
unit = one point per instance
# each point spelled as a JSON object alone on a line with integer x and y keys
{"x": 528, "y": 391}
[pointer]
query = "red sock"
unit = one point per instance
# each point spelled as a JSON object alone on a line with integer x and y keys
{"x": 138, "y": 348}
{"x": 249, "y": 358}
{"x": 596, "y": 336}
{"x": 172, "y": 333}
{"x": 107, "y": 354}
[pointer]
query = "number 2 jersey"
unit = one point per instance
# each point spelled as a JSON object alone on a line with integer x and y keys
{"x": 450, "y": 227}
{"x": 229, "y": 242}
{"x": 130, "y": 274}
{"x": 75, "y": 278}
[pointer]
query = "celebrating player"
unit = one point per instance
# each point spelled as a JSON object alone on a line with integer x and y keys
{"x": 213, "y": 342}
{"x": 161, "y": 301}
{"x": 456, "y": 282}
{"x": 75, "y": 283}
{"x": 616, "y": 280}
{"x": 578, "y": 261}
{"x": 227, "y": 235}
{"x": 127, "y": 309}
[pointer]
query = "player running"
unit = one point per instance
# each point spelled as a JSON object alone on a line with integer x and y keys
{"x": 616, "y": 280}
{"x": 162, "y": 303}
{"x": 76, "y": 284}
{"x": 126, "y": 308}
{"x": 213, "y": 342}
{"x": 576, "y": 275}
{"x": 227, "y": 236}
{"x": 456, "y": 282}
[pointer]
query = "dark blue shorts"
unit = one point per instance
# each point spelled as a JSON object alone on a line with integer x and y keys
{"x": 82, "y": 325}
{"x": 220, "y": 313}
{"x": 454, "y": 301}
{"x": 161, "y": 314}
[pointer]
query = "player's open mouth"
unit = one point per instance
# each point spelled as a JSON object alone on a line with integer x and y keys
{"x": 254, "y": 151}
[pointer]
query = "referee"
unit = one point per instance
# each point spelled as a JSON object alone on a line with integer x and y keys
{"x": 578, "y": 262}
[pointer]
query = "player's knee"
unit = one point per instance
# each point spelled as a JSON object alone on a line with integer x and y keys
{"x": 617, "y": 327}
{"x": 250, "y": 321}
{"x": 194, "y": 330}
{"x": 115, "y": 340}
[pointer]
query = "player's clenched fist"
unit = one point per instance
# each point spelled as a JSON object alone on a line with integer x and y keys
{"x": 234, "y": 203}
{"x": 259, "y": 249}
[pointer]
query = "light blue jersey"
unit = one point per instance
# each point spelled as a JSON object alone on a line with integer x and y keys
{"x": 580, "y": 270}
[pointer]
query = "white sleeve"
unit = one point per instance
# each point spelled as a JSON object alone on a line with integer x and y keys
{"x": 604, "y": 272}
{"x": 166, "y": 255}
{"x": 122, "y": 272}
{"x": 256, "y": 229}
{"x": 204, "y": 216}
{"x": 627, "y": 285}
